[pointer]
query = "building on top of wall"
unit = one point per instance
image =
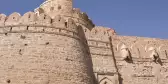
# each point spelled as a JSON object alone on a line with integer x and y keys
{"x": 59, "y": 44}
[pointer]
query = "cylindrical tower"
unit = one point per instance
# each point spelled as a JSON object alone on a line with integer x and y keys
{"x": 56, "y": 7}
{"x": 38, "y": 50}
{"x": 65, "y": 9}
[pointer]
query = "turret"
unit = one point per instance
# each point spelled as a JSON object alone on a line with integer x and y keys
{"x": 65, "y": 9}
{"x": 56, "y": 7}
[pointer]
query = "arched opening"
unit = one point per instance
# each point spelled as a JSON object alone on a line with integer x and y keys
{"x": 106, "y": 81}
{"x": 59, "y": 7}
{"x": 52, "y": 8}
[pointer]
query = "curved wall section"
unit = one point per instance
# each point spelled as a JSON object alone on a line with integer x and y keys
{"x": 57, "y": 7}
{"x": 79, "y": 17}
{"x": 38, "y": 50}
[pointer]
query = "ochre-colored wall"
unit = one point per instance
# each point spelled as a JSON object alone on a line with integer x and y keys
{"x": 65, "y": 47}
{"x": 37, "y": 50}
{"x": 108, "y": 63}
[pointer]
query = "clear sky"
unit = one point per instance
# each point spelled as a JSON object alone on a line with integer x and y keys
{"x": 147, "y": 18}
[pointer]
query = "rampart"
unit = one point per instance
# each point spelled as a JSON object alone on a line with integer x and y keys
{"x": 40, "y": 50}
{"x": 79, "y": 17}
{"x": 59, "y": 44}
{"x": 108, "y": 56}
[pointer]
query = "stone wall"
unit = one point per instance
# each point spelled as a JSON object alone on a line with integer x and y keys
{"x": 57, "y": 7}
{"x": 146, "y": 62}
{"x": 40, "y": 50}
{"x": 60, "y": 45}
{"x": 64, "y": 8}
{"x": 101, "y": 53}
{"x": 144, "y": 68}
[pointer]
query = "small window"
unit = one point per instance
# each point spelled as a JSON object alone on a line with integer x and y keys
{"x": 59, "y": 7}
{"x": 13, "y": 17}
{"x": 8, "y": 81}
{"x": 29, "y": 16}
{"x": 52, "y": 8}
{"x": 66, "y": 24}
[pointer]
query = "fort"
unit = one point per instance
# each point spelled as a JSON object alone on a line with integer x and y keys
{"x": 59, "y": 44}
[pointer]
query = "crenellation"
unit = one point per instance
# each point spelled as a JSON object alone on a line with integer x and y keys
{"x": 82, "y": 18}
{"x": 78, "y": 14}
{"x": 32, "y": 22}
{"x": 59, "y": 21}
{"x": 138, "y": 46}
{"x": 28, "y": 18}
{"x": 13, "y": 19}
{"x": 98, "y": 33}
{"x": 44, "y": 19}
{"x": 2, "y": 19}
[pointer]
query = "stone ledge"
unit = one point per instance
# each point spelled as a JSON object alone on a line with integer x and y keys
{"x": 38, "y": 29}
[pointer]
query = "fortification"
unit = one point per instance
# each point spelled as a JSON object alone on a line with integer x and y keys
{"x": 64, "y": 8}
{"x": 56, "y": 7}
{"x": 35, "y": 50}
{"x": 59, "y": 44}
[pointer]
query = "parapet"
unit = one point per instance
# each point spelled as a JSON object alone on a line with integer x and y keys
{"x": 30, "y": 18}
{"x": 140, "y": 47}
{"x": 30, "y": 22}
{"x": 82, "y": 18}
{"x": 56, "y": 7}
{"x": 79, "y": 17}
{"x": 2, "y": 19}
{"x": 99, "y": 33}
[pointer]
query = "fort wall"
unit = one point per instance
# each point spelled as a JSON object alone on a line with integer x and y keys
{"x": 79, "y": 17}
{"x": 59, "y": 44}
{"x": 57, "y": 7}
{"x": 40, "y": 50}
{"x": 141, "y": 70}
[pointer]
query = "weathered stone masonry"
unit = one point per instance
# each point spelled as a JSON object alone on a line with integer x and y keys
{"x": 59, "y": 44}
{"x": 36, "y": 51}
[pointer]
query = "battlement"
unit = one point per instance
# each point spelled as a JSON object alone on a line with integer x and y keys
{"x": 76, "y": 13}
{"x": 140, "y": 46}
{"x": 44, "y": 49}
{"x": 78, "y": 16}
{"x": 99, "y": 33}
{"x": 56, "y": 7}
{"x": 30, "y": 22}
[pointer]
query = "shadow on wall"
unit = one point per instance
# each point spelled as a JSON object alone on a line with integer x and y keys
{"x": 87, "y": 51}
{"x": 120, "y": 79}
{"x": 129, "y": 58}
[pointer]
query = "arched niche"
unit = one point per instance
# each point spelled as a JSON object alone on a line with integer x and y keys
{"x": 163, "y": 51}
{"x": 105, "y": 81}
{"x": 149, "y": 49}
{"x": 137, "y": 50}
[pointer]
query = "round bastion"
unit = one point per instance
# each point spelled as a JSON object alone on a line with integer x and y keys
{"x": 41, "y": 50}
{"x": 65, "y": 9}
